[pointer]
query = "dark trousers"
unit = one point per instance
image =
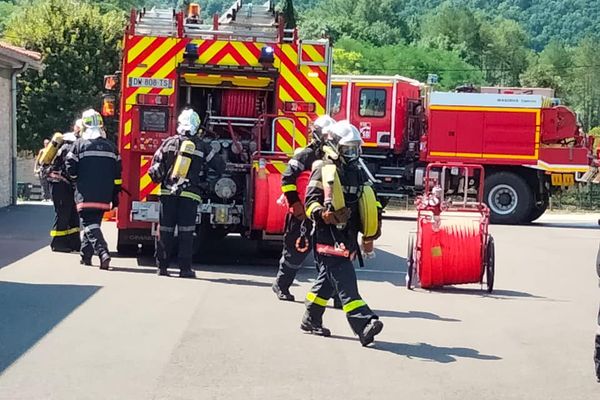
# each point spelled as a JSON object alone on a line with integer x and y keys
{"x": 176, "y": 212}
{"x": 336, "y": 274}
{"x": 292, "y": 259}
{"x": 92, "y": 239}
{"x": 597, "y": 350}
{"x": 65, "y": 231}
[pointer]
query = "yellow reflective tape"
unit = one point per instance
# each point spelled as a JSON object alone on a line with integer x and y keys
{"x": 64, "y": 233}
{"x": 312, "y": 207}
{"x": 313, "y": 298}
{"x": 245, "y": 53}
{"x": 118, "y": 181}
{"x": 379, "y": 205}
{"x": 353, "y": 305}
{"x": 153, "y": 58}
{"x": 127, "y": 127}
{"x": 139, "y": 47}
{"x": 436, "y": 251}
{"x": 209, "y": 53}
{"x": 191, "y": 195}
{"x": 312, "y": 53}
{"x": 289, "y": 188}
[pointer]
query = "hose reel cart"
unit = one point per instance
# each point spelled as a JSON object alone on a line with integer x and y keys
{"x": 452, "y": 244}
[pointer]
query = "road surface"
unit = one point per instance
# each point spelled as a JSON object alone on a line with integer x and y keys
{"x": 73, "y": 332}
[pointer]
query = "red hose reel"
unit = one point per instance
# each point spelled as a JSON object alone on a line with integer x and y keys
{"x": 451, "y": 245}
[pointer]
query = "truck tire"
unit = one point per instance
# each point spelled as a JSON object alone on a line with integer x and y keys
{"x": 509, "y": 198}
{"x": 539, "y": 209}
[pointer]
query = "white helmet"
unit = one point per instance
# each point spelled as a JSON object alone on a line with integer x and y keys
{"x": 321, "y": 127}
{"x": 345, "y": 139}
{"x": 188, "y": 122}
{"x": 92, "y": 124}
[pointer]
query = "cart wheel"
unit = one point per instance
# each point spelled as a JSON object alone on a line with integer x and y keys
{"x": 490, "y": 264}
{"x": 410, "y": 262}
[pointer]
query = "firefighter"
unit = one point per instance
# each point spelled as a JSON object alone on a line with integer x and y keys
{"x": 296, "y": 245}
{"x": 95, "y": 166}
{"x": 65, "y": 231}
{"x": 179, "y": 166}
{"x": 335, "y": 213}
{"x": 597, "y": 341}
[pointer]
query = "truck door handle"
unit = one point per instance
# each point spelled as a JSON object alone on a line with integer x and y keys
{"x": 451, "y": 133}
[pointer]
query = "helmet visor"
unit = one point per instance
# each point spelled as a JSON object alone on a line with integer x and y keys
{"x": 350, "y": 152}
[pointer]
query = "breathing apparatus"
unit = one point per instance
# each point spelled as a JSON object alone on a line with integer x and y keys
{"x": 51, "y": 149}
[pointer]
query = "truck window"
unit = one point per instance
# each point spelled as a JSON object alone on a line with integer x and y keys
{"x": 372, "y": 103}
{"x": 335, "y": 103}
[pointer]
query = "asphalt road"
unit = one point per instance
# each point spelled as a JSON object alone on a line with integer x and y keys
{"x": 71, "y": 332}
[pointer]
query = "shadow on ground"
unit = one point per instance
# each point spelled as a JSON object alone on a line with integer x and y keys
{"x": 24, "y": 230}
{"x": 235, "y": 255}
{"x": 29, "y": 311}
{"x": 428, "y": 352}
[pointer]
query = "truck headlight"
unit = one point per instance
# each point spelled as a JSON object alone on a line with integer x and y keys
{"x": 225, "y": 188}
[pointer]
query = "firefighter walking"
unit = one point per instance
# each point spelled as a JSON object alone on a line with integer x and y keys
{"x": 95, "y": 166}
{"x": 297, "y": 240}
{"x": 332, "y": 202}
{"x": 65, "y": 231}
{"x": 179, "y": 166}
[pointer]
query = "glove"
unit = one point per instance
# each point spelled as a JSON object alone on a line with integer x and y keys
{"x": 340, "y": 216}
{"x": 297, "y": 210}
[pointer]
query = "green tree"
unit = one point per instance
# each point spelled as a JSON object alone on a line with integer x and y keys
{"x": 289, "y": 13}
{"x": 585, "y": 86}
{"x": 79, "y": 44}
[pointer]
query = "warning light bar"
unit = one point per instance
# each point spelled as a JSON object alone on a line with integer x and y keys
{"x": 152, "y": 100}
{"x": 299, "y": 106}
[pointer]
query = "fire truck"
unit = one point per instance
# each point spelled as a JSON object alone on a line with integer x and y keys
{"x": 530, "y": 147}
{"x": 255, "y": 85}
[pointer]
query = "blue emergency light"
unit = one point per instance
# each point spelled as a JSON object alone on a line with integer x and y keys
{"x": 267, "y": 55}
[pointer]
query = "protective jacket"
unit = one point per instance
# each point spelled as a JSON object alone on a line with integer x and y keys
{"x": 164, "y": 160}
{"x": 95, "y": 166}
{"x": 352, "y": 179}
{"x": 57, "y": 172}
{"x": 300, "y": 162}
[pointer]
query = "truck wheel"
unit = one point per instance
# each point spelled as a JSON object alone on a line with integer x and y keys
{"x": 539, "y": 209}
{"x": 509, "y": 197}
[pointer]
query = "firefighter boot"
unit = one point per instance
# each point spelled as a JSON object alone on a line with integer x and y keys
{"x": 86, "y": 261}
{"x": 162, "y": 272}
{"x": 285, "y": 278}
{"x": 312, "y": 327}
{"x": 368, "y": 334}
{"x": 282, "y": 294}
{"x": 187, "y": 273}
{"x": 104, "y": 261}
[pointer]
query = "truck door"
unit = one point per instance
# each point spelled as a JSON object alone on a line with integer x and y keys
{"x": 442, "y": 132}
{"x": 371, "y": 112}
{"x": 338, "y": 102}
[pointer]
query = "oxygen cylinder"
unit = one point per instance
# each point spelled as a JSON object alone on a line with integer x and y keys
{"x": 334, "y": 193}
{"x": 49, "y": 152}
{"x": 183, "y": 161}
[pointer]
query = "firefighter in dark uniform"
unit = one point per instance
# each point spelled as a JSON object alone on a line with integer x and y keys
{"x": 597, "y": 341}
{"x": 336, "y": 236}
{"x": 65, "y": 231}
{"x": 95, "y": 166}
{"x": 179, "y": 165}
{"x": 297, "y": 225}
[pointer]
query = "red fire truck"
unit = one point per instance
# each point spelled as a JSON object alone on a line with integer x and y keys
{"x": 255, "y": 85}
{"x": 528, "y": 146}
